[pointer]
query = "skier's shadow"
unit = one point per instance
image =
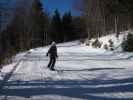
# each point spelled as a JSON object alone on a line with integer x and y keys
{"x": 91, "y": 69}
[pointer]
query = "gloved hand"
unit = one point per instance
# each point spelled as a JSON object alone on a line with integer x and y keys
{"x": 56, "y": 56}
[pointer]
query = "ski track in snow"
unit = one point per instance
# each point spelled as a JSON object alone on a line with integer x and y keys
{"x": 82, "y": 73}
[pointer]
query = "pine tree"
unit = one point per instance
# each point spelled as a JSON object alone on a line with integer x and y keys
{"x": 37, "y": 23}
{"x": 127, "y": 44}
{"x": 79, "y": 27}
{"x": 20, "y": 25}
{"x": 67, "y": 26}
{"x": 56, "y": 27}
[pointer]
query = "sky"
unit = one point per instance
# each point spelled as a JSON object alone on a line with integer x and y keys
{"x": 61, "y": 5}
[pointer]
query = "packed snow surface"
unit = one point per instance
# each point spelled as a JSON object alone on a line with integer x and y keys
{"x": 82, "y": 73}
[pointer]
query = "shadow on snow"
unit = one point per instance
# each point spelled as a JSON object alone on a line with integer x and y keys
{"x": 91, "y": 69}
{"x": 84, "y": 89}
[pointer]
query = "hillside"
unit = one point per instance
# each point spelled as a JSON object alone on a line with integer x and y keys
{"x": 82, "y": 73}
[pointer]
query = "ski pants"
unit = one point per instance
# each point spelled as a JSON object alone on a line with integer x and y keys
{"x": 52, "y": 62}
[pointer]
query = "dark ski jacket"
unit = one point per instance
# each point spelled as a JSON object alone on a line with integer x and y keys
{"x": 52, "y": 52}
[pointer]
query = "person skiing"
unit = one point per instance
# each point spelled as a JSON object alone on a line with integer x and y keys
{"x": 52, "y": 53}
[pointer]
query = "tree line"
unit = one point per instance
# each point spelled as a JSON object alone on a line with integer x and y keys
{"x": 31, "y": 26}
{"x": 107, "y": 16}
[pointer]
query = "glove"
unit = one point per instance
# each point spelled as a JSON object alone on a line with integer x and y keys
{"x": 56, "y": 56}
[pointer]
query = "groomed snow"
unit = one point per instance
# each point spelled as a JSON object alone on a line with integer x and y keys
{"x": 83, "y": 73}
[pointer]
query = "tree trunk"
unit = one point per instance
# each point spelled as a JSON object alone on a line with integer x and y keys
{"x": 116, "y": 24}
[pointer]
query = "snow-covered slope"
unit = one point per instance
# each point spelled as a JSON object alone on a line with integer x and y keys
{"x": 82, "y": 73}
{"x": 116, "y": 41}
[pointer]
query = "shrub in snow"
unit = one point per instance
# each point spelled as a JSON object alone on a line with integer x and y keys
{"x": 105, "y": 47}
{"x": 82, "y": 41}
{"x": 111, "y": 45}
{"x": 127, "y": 44}
{"x": 96, "y": 44}
{"x": 87, "y": 44}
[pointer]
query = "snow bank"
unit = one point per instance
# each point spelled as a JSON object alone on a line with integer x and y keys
{"x": 104, "y": 40}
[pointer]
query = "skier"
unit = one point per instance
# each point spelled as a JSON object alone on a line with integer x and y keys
{"x": 52, "y": 53}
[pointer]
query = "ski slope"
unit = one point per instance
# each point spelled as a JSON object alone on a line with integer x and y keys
{"x": 82, "y": 73}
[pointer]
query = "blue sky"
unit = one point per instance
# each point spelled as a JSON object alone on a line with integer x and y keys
{"x": 61, "y": 5}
